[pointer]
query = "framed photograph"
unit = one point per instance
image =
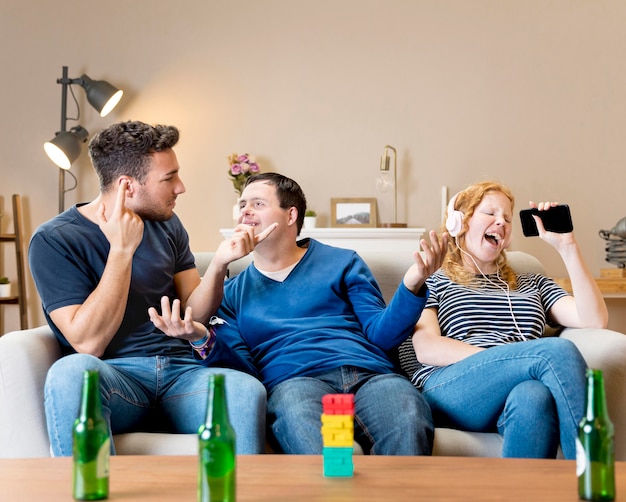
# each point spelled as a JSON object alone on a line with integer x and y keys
{"x": 353, "y": 213}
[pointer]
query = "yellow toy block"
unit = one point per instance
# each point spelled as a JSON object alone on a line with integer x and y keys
{"x": 338, "y": 438}
{"x": 338, "y": 421}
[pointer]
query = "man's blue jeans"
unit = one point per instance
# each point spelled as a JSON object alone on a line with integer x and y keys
{"x": 390, "y": 415}
{"x": 532, "y": 393}
{"x": 138, "y": 392}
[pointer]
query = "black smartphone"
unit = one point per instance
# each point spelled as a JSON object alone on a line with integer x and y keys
{"x": 556, "y": 219}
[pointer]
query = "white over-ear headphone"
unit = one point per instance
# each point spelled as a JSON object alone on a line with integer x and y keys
{"x": 454, "y": 222}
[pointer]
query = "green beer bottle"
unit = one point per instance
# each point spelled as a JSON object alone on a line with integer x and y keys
{"x": 595, "y": 459}
{"x": 92, "y": 444}
{"x": 217, "y": 461}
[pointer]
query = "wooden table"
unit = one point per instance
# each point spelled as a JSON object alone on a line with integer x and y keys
{"x": 299, "y": 478}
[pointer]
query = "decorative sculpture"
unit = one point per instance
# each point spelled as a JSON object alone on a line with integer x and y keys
{"x": 616, "y": 243}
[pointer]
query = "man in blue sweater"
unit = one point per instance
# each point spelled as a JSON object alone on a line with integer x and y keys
{"x": 309, "y": 319}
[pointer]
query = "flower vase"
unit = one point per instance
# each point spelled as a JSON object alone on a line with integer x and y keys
{"x": 236, "y": 212}
{"x": 5, "y": 290}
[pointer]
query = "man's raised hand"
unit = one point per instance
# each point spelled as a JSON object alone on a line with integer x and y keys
{"x": 428, "y": 262}
{"x": 123, "y": 228}
{"x": 242, "y": 243}
{"x": 171, "y": 322}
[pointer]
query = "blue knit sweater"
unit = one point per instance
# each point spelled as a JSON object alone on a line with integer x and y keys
{"x": 329, "y": 312}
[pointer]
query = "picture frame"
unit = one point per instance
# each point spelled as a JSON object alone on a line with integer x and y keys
{"x": 353, "y": 212}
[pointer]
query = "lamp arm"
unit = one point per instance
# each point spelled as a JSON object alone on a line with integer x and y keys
{"x": 65, "y": 82}
{"x": 80, "y": 131}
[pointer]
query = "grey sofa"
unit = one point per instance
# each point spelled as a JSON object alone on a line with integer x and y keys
{"x": 25, "y": 357}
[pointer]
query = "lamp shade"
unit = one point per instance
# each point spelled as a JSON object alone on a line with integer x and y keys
{"x": 65, "y": 147}
{"x": 101, "y": 95}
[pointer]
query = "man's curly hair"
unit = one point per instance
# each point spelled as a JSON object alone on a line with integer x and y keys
{"x": 125, "y": 148}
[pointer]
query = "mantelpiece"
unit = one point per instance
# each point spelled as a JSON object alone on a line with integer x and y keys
{"x": 379, "y": 239}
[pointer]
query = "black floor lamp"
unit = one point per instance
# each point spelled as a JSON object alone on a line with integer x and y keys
{"x": 65, "y": 147}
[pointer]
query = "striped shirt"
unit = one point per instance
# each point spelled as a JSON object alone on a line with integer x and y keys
{"x": 482, "y": 315}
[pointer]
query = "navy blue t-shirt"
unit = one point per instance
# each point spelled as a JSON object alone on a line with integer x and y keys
{"x": 67, "y": 256}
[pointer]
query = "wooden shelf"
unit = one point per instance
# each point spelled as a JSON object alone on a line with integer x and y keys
{"x": 17, "y": 239}
{"x": 609, "y": 287}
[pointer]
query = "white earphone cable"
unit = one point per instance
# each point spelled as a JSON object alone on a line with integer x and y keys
{"x": 506, "y": 291}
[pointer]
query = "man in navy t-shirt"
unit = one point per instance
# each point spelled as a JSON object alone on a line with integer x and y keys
{"x": 107, "y": 271}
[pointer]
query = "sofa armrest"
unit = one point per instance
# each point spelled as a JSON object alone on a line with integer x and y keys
{"x": 25, "y": 357}
{"x": 203, "y": 259}
{"x": 605, "y": 350}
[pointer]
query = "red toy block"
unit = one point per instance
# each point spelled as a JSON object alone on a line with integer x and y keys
{"x": 338, "y": 404}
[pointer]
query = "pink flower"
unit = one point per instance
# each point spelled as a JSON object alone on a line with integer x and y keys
{"x": 241, "y": 168}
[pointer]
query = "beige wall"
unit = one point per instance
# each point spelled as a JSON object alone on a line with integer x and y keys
{"x": 529, "y": 92}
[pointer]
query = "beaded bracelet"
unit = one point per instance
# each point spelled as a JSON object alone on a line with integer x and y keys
{"x": 201, "y": 342}
{"x": 203, "y": 347}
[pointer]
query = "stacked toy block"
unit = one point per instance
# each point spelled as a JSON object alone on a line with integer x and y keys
{"x": 338, "y": 434}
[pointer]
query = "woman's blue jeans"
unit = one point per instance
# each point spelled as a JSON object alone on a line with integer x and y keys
{"x": 532, "y": 393}
{"x": 390, "y": 415}
{"x": 139, "y": 392}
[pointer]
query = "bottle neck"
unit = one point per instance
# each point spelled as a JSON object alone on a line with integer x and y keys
{"x": 596, "y": 397}
{"x": 90, "y": 406}
{"x": 217, "y": 411}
